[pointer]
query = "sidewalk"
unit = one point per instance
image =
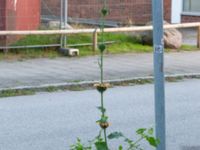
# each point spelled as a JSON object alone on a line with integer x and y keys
{"x": 38, "y": 72}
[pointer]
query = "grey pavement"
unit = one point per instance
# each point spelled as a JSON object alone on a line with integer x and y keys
{"x": 53, "y": 121}
{"x": 37, "y": 72}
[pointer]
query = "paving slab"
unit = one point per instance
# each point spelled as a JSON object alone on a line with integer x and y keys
{"x": 38, "y": 72}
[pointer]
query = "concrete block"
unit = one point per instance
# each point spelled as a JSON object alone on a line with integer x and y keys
{"x": 69, "y": 51}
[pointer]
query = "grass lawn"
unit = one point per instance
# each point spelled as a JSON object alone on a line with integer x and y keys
{"x": 124, "y": 43}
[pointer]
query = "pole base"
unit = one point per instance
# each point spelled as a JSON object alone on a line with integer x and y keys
{"x": 69, "y": 51}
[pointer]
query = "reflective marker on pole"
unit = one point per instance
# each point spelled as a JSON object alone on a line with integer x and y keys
{"x": 157, "y": 7}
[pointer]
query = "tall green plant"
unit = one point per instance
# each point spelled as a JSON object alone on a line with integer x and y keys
{"x": 101, "y": 141}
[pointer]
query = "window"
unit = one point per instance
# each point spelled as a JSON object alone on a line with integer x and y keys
{"x": 192, "y": 6}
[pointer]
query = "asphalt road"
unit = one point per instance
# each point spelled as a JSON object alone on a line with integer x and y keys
{"x": 54, "y": 121}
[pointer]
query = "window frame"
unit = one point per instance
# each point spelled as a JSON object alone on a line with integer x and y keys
{"x": 189, "y": 13}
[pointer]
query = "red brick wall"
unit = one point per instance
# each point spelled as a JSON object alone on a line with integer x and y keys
{"x": 2, "y": 15}
{"x": 24, "y": 16}
{"x": 10, "y": 15}
{"x": 2, "y": 20}
{"x": 50, "y": 7}
{"x": 167, "y": 10}
{"x": 188, "y": 18}
{"x": 135, "y": 11}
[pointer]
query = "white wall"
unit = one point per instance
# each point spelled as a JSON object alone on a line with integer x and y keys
{"x": 177, "y": 6}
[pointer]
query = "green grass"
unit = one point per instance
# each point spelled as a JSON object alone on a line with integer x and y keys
{"x": 11, "y": 93}
{"x": 78, "y": 87}
{"x": 124, "y": 43}
{"x": 188, "y": 47}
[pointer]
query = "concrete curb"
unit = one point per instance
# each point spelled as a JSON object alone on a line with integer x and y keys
{"x": 89, "y": 84}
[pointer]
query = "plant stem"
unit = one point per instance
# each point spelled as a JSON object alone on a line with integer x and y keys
{"x": 105, "y": 137}
{"x": 140, "y": 139}
{"x": 102, "y": 105}
{"x": 101, "y": 67}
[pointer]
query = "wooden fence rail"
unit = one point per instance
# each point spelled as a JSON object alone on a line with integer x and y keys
{"x": 96, "y": 31}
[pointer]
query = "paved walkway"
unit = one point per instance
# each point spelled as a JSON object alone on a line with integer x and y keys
{"x": 39, "y": 72}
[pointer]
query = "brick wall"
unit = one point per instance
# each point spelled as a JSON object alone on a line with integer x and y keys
{"x": 50, "y": 7}
{"x": 2, "y": 15}
{"x": 189, "y": 18}
{"x": 167, "y": 10}
{"x": 135, "y": 11}
{"x": 25, "y": 15}
{"x": 2, "y": 20}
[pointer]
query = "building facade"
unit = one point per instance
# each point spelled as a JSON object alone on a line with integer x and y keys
{"x": 135, "y": 11}
{"x": 18, "y": 15}
{"x": 185, "y": 11}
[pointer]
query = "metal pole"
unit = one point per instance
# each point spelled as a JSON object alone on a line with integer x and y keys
{"x": 95, "y": 41}
{"x": 61, "y": 22}
{"x": 157, "y": 7}
{"x": 198, "y": 37}
{"x": 65, "y": 21}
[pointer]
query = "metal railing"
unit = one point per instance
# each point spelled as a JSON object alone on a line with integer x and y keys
{"x": 95, "y": 31}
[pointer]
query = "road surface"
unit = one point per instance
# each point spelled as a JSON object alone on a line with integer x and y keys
{"x": 53, "y": 121}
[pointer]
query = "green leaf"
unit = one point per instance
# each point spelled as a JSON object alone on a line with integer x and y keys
{"x": 103, "y": 110}
{"x": 120, "y": 147}
{"x": 141, "y": 131}
{"x": 150, "y": 131}
{"x": 104, "y": 11}
{"x": 102, "y": 47}
{"x": 152, "y": 141}
{"x": 128, "y": 141}
{"x": 101, "y": 146}
{"x": 79, "y": 146}
{"x": 115, "y": 135}
{"x": 103, "y": 119}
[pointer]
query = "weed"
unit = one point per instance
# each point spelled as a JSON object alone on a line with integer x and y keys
{"x": 10, "y": 93}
